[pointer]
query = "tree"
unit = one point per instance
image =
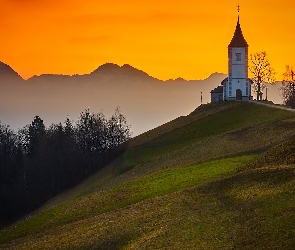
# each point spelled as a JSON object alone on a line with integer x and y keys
{"x": 36, "y": 134}
{"x": 7, "y": 152}
{"x": 118, "y": 129}
{"x": 288, "y": 87}
{"x": 39, "y": 162}
{"x": 69, "y": 128}
{"x": 13, "y": 197}
{"x": 262, "y": 72}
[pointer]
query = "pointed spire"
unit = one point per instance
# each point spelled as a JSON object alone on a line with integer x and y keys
{"x": 238, "y": 39}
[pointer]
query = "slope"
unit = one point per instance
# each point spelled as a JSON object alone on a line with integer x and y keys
{"x": 182, "y": 185}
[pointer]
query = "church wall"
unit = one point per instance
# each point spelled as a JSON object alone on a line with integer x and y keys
{"x": 238, "y": 63}
{"x": 239, "y": 84}
{"x": 238, "y": 72}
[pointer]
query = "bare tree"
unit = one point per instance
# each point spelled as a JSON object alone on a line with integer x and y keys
{"x": 119, "y": 130}
{"x": 262, "y": 72}
{"x": 288, "y": 86}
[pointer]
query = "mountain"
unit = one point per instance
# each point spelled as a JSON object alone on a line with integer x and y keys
{"x": 147, "y": 102}
{"x": 111, "y": 69}
{"x": 222, "y": 177}
{"x": 8, "y": 75}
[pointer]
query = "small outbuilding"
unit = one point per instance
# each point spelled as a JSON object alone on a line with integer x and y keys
{"x": 217, "y": 94}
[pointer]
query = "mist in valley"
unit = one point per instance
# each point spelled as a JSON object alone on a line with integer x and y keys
{"x": 145, "y": 101}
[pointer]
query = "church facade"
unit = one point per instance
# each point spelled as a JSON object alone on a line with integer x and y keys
{"x": 237, "y": 86}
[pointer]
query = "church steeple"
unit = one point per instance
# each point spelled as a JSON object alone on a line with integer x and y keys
{"x": 238, "y": 86}
{"x": 238, "y": 39}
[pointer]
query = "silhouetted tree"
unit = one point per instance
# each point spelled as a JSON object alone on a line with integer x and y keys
{"x": 38, "y": 165}
{"x": 69, "y": 128}
{"x": 12, "y": 186}
{"x": 118, "y": 129}
{"x": 38, "y": 162}
{"x": 23, "y": 137}
{"x": 262, "y": 72}
{"x": 7, "y": 149}
{"x": 36, "y": 134}
{"x": 288, "y": 87}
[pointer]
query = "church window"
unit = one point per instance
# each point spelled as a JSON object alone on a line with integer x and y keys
{"x": 229, "y": 92}
{"x": 238, "y": 56}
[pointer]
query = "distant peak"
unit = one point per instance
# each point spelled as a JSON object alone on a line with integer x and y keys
{"x": 180, "y": 79}
{"x": 127, "y": 66}
{"x": 7, "y": 71}
{"x": 116, "y": 70}
{"x": 6, "y": 68}
{"x": 214, "y": 75}
{"x": 107, "y": 68}
{"x": 109, "y": 65}
{"x": 130, "y": 69}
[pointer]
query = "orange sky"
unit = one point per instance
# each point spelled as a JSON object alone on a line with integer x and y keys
{"x": 166, "y": 39}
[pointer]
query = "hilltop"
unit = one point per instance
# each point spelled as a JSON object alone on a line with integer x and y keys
{"x": 220, "y": 177}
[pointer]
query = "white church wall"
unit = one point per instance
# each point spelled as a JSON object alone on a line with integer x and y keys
{"x": 238, "y": 72}
{"x": 238, "y": 63}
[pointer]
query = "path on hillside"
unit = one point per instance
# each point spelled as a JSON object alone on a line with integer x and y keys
{"x": 273, "y": 105}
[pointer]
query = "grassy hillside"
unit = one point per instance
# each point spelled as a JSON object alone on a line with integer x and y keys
{"x": 221, "y": 177}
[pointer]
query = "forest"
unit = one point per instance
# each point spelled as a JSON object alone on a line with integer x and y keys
{"x": 37, "y": 163}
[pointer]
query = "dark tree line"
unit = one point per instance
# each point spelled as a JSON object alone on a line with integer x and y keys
{"x": 37, "y": 163}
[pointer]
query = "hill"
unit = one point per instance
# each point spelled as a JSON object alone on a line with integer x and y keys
{"x": 203, "y": 181}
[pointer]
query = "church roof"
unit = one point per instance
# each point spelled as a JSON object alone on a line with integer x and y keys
{"x": 218, "y": 89}
{"x": 238, "y": 39}
{"x": 224, "y": 81}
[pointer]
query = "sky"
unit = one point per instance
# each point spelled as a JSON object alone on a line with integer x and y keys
{"x": 166, "y": 39}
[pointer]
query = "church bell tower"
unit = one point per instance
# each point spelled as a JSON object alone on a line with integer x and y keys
{"x": 237, "y": 86}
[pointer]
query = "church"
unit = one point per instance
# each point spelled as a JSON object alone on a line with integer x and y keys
{"x": 237, "y": 86}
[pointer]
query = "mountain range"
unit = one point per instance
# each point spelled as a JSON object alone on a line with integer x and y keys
{"x": 146, "y": 101}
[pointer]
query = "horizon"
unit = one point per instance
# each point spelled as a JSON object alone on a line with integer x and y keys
{"x": 86, "y": 73}
{"x": 167, "y": 41}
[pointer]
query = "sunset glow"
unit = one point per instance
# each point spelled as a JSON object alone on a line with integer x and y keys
{"x": 166, "y": 39}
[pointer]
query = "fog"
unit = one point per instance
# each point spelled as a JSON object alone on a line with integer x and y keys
{"x": 145, "y": 101}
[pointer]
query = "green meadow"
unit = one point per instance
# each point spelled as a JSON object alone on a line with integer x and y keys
{"x": 222, "y": 177}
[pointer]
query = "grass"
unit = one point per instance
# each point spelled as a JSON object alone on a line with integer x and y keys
{"x": 124, "y": 195}
{"x": 210, "y": 180}
{"x": 209, "y": 126}
{"x": 249, "y": 210}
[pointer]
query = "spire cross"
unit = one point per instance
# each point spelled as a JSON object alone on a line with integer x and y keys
{"x": 238, "y": 8}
